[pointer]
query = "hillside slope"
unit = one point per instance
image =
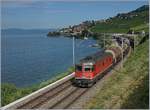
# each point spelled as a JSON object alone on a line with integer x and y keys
{"x": 122, "y": 23}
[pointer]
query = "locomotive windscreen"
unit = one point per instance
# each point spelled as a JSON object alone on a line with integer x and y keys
{"x": 88, "y": 68}
{"x": 78, "y": 68}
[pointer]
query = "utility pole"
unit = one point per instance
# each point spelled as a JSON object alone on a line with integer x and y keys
{"x": 122, "y": 53}
{"x": 73, "y": 52}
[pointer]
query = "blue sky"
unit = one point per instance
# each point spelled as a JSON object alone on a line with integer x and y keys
{"x": 42, "y": 14}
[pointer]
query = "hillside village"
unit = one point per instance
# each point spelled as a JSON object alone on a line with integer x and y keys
{"x": 78, "y": 29}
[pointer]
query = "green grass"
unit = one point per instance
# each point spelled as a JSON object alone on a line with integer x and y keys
{"x": 127, "y": 88}
{"x": 10, "y": 92}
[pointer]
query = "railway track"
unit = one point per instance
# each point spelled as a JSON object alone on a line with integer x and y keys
{"x": 60, "y": 97}
{"x": 40, "y": 100}
{"x": 69, "y": 99}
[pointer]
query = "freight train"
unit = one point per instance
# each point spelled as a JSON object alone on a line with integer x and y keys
{"x": 93, "y": 67}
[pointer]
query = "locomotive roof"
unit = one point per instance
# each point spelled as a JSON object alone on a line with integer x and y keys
{"x": 94, "y": 57}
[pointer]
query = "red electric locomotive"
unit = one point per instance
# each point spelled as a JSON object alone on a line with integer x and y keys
{"x": 94, "y": 66}
{"x": 90, "y": 68}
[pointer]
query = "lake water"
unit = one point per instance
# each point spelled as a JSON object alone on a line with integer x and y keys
{"x": 31, "y": 57}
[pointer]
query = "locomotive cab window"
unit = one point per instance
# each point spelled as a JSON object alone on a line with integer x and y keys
{"x": 93, "y": 68}
{"x": 78, "y": 68}
{"x": 87, "y": 69}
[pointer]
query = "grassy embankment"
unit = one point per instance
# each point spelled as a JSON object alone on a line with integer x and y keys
{"x": 127, "y": 88}
{"x": 10, "y": 92}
